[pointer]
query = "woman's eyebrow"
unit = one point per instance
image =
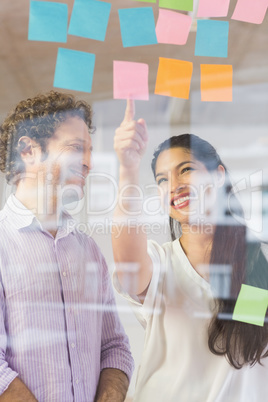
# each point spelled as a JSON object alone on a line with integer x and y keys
{"x": 176, "y": 167}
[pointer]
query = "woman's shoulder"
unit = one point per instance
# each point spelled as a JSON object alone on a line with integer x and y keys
{"x": 166, "y": 247}
{"x": 163, "y": 253}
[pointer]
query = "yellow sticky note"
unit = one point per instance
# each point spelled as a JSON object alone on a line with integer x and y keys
{"x": 174, "y": 78}
{"x": 216, "y": 82}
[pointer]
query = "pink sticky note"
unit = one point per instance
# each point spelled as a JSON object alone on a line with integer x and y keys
{"x": 172, "y": 27}
{"x": 250, "y": 11}
{"x": 213, "y": 8}
{"x": 131, "y": 80}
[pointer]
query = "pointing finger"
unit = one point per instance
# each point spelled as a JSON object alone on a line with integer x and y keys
{"x": 130, "y": 111}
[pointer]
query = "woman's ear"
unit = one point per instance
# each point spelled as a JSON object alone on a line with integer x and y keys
{"x": 220, "y": 175}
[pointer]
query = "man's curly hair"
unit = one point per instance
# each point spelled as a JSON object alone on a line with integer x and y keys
{"x": 37, "y": 118}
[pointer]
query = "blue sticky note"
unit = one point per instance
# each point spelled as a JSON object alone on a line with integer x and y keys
{"x": 48, "y": 21}
{"x": 89, "y": 19}
{"x": 137, "y": 26}
{"x": 212, "y": 38}
{"x": 74, "y": 70}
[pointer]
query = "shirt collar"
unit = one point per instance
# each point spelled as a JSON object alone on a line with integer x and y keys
{"x": 21, "y": 217}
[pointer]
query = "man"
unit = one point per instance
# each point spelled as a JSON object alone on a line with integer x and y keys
{"x": 60, "y": 336}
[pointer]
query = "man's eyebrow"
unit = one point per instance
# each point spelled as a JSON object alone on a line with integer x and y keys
{"x": 176, "y": 167}
{"x": 79, "y": 140}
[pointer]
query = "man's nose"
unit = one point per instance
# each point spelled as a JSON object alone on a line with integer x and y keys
{"x": 87, "y": 161}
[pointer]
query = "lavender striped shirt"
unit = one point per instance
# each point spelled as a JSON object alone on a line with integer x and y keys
{"x": 58, "y": 322}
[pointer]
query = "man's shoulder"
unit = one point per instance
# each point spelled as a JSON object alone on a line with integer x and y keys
{"x": 3, "y": 218}
{"x": 6, "y": 234}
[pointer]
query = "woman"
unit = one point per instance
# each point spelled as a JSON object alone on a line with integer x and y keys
{"x": 194, "y": 349}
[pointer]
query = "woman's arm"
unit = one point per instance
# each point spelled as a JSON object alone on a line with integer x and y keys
{"x": 128, "y": 238}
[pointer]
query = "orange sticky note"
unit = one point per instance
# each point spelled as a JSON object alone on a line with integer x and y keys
{"x": 173, "y": 78}
{"x": 216, "y": 82}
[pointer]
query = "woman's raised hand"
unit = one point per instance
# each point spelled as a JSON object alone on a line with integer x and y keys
{"x": 130, "y": 245}
{"x": 130, "y": 139}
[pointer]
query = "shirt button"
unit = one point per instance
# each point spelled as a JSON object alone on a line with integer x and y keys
{"x": 64, "y": 273}
{"x": 77, "y": 381}
{"x": 73, "y": 345}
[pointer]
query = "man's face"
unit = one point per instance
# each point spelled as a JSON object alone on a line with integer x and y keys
{"x": 68, "y": 159}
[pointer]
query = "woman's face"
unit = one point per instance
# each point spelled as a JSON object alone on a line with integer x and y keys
{"x": 189, "y": 192}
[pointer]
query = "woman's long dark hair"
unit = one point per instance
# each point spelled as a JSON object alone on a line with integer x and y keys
{"x": 240, "y": 342}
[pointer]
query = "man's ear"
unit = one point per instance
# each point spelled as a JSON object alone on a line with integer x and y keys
{"x": 25, "y": 145}
{"x": 220, "y": 175}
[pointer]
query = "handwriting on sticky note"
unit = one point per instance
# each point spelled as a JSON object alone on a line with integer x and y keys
{"x": 74, "y": 70}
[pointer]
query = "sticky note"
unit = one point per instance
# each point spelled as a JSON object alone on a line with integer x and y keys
{"x": 48, "y": 21}
{"x": 137, "y": 26}
{"x": 173, "y": 78}
{"x": 130, "y": 80}
{"x": 251, "y": 305}
{"x": 147, "y": 1}
{"x": 216, "y": 82}
{"x": 172, "y": 27}
{"x": 212, "y": 38}
{"x": 74, "y": 70}
{"x": 183, "y": 5}
{"x": 213, "y": 8}
{"x": 250, "y": 11}
{"x": 89, "y": 19}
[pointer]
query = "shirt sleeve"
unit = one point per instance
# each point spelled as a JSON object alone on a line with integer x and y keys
{"x": 145, "y": 310}
{"x": 115, "y": 348}
{"x": 7, "y": 375}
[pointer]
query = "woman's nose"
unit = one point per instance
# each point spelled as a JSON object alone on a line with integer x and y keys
{"x": 176, "y": 184}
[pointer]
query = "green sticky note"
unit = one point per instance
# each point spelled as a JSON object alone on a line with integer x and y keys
{"x": 251, "y": 305}
{"x": 183, "y": 5}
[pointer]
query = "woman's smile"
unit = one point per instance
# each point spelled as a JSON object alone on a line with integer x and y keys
{"x": 180, "y": 201}
{"x": 188, "y": 189}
